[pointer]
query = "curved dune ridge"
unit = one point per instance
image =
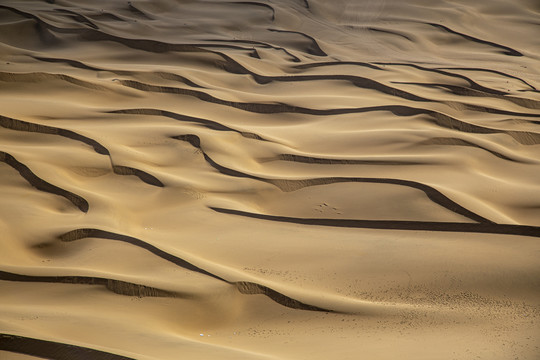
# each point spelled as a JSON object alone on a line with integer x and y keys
{"x": 284, "y": 179}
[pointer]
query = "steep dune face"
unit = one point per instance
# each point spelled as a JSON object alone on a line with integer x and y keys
{"x": 285, "y": 179}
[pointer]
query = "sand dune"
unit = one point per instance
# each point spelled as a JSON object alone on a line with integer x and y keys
{"x": 284, "y": 179}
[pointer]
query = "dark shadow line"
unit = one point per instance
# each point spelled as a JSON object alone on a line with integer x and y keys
{"x": 460, "y": 142}
{"x": 258, "y": 4}
{"x": 41, "y": 184}
{"x": 314, "y": 49}
{"x": 485, "y": 228}
{"x": 150, "y": 45}
{"x": 326, "y": 161}
{"x": 81, "y": 65}
{"x": 117, "y": 286}
{"x": 19, "y": 125}
{"x": 243, "y": 287}
{"x": 490, "y": 71}
{"x": 474, "y": 85}
{"x": 53, "y": 350}
{"x": 292, "y": 185}
{"x": 261, "y": 44}
{"x": 59, "y": 77}
{"x": 250, "y": 288}
{"x": 438, "y": 118}
{"x": 358, "y": 81}
{"x": 209, "y": 124}
{"x": 102, "y": 234}
{"x": 78, "y": 17}
{"x": 136, "y": 11}
{"x": 143, "y": 175}
{"x": 389, "y": 32}
{"x": 73, "y": 63}
{"x": 463, "y": 91}
{"x": 507, "y": 50}
{"x": 336, "y": 63}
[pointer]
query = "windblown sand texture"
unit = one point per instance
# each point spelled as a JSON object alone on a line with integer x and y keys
{"x": 282, "y": 179}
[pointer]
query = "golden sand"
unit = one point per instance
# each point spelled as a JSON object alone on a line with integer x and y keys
{"x": 282, "y": 179}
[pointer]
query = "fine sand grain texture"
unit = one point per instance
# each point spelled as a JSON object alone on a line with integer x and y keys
{"x": 281, "y": 179}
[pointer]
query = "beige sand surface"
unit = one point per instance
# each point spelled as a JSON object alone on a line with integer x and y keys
{"x": 281, "y": 179}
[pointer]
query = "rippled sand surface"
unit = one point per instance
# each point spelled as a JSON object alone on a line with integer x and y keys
{"x": 278, "y": 179}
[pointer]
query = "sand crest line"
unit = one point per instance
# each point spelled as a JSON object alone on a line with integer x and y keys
{"x": 460, "y": 142}
{"x": 82, "y": 233}
{"x": 41, "y": 184}
{"x": 254, "y": 3}
{"x": 472, "y": 84}
{"x": 328, "y": 161}
{"x": 81, "y": 65}
{"x": 144, "y": 176}
{"x": 484, "y": 227}
{"x": 288, "y": 185}
{"x": 245, "y": 287}
{"x": 436, "y": 117}
{"x": 465, "y": 91}
{"x": 53, "y": 350}
{"x": 94, "y": 33}
{"x": 254, "y": 52}
{"x": 20, "y": 125}
{"x": 130, "y": 289}
{"x": 313, "y": 49}
{"x": 209, "y": 124}
{"x": 490, "y": 71}
{"x": 117, "y": 286}
{"x": 506, "y": 50}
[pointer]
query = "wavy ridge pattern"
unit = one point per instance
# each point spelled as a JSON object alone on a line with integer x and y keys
{"x": 141, "y": 290}
{"x": 292, "y": 185}
{"x": 269, "y": 180}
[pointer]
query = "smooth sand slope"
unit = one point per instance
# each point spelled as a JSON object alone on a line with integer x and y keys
{"x": 284, "y": 179}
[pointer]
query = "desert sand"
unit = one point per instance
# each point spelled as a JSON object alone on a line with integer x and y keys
{"x": 282, "y": 179}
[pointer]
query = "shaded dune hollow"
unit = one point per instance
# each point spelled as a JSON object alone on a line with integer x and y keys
{"x": 286, "y": 179}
